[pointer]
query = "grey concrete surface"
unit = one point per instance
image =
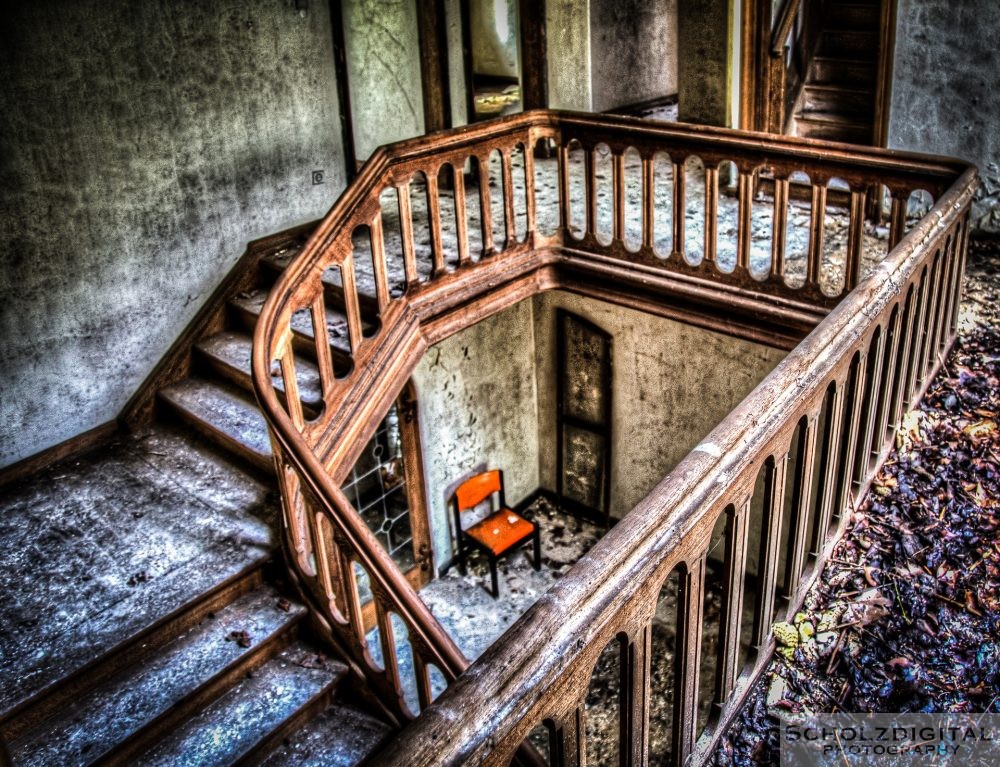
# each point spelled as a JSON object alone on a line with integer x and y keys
{"x": 383, "y": 72}
{"x": 633, "y": 51}
{"x": 944, "y": 92}
{"x": 143, "y": 143}
{"x": 567, "y": 34}
{"x": 704, "y": 71}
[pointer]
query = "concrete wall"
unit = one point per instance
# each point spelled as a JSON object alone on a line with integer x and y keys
{"x": 567, "y": 34}
{"x": 672, "y": 384}
{"x": 633, "y": 51}
{"x": 383, "y": 72}
{"x": 144, "y": 142}
{"x": 705, "y": 72}
{"x": 477, "y": 404}
{"x": 494, "y": 26}
{"x": 944, "y": 89}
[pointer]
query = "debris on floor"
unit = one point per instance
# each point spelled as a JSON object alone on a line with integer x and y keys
{"x": 906, "y": 615}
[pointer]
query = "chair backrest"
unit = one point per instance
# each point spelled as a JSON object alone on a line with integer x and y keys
{"x": 476, "y": 489}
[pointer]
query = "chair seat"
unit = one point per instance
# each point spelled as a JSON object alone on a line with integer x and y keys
{"x": 501, "y": 530}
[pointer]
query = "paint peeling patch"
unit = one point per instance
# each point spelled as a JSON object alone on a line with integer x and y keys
{"x": 709, "y": 447}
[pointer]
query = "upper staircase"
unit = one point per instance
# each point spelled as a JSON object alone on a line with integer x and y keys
{"x": 838, "y": 96}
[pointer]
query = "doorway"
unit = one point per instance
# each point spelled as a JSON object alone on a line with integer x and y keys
{"x": 583, "y": 417}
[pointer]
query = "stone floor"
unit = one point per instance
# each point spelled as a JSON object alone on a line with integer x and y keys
{"x": 100, "y": 547}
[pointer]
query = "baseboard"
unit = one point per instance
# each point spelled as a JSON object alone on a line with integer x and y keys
{"x": 74, "y": 446}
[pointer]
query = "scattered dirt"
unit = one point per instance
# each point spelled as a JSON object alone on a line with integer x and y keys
{"x": 906, "y": 615}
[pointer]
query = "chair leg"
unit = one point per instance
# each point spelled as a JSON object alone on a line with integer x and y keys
{"x": 493, "y": 577}
{"x": 461, "y": 558}
{"x": 538, "y": 549}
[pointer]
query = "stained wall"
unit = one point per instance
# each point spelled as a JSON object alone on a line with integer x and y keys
{"x": 143, "y": 143}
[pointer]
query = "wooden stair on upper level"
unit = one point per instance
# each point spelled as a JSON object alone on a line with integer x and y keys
{"x": 837, "y": 101}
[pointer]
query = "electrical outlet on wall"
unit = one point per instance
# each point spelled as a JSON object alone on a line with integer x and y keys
{"x": 317, "y": 177}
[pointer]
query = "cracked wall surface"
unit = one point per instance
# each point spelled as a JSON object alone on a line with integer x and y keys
{"x": 477, "y": 404}
{"x": 944, "y": 90}
{"x": 383, "y": 72}
{"x": 144, "y": 143}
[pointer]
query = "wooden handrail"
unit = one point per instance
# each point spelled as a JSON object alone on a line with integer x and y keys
{"x": 613, "y": 588}
{"x": 783, "y": 27}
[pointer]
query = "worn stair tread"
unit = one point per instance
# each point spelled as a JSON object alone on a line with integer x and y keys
{"x": 364, "y": 279}
{"x": 229, "y": 353}
{"x": 137, "y": 696}
{"x": 252, "y": 712}
{"x": 834, "y": 118}
{"x": 340, "y": 736}
{"x": 127, "y": 537}
{"x": 223, "y": 415}
{"x": 251, "y": 303}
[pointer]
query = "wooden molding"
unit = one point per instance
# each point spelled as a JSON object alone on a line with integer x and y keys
{"x": 71, "y": 448}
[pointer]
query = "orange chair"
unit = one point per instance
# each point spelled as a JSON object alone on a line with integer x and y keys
{"x": 501, "y": 531}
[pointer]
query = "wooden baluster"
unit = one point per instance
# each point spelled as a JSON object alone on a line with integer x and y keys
{"x": 618, "y": 184}
{"x": 817, "y": 220}
{"x": 508, "y": 199}
{"x": 886, "y": 389}
{"x": 711, "y": 214}
{"x": 963, "y": 251}
{"x": 378, "y": 262}
{"x": 744, "y": 223}
{"x": 406, "y": 234}
{"x": 322, "y": 547}
{"x": 648, "y": 204}
{"x": 829, "y": 469}
{"x": 942, "y": 306}
{"x": 590, "y": 170}
{"x": 461, "y": 214}
{"x": 633, "y": 741}
{"x": 855, "y": 240}
{"x": 770, "y": 544}
{"x": 325, "y": 542}
{"x": 293, "y": 400}
{"x": 291, "y": 492}
{"x": 927, "y": 352}
{"x": 434, "y": 212}
{"x": 351, "y": 306}
{"x": 901, "y": 395}
{"x": 485, "y": 206}
{"x": 570, "y": 741}
{"x": 687, "y": 659}
{"x": 919, "y": 331}
{"x": 852, "y": 422}
{"x": 680, "y": 205}
{"x": 731, "y": 620}
{"x": 321, "y": 343}
{"x": 801, "y": 521}
{"x": 529, "y": 191}
{"x": 425, "y": 695}
{"x": 387, "y": 637}
{"x": 897, "y": 219}
{"x": 944, "y": 321}
{"x": 872, "y": 388}
{"x": 779, "y": 229}
{"x": 355, "y": 619}
{"x": 564, "y": 188}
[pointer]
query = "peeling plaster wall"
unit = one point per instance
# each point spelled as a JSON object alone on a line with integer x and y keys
{"x": 672, "y": 384}
{"x": 144, "y": 142}
{"x": 477, "y": 405}
{"x": 705, "y": 75}
{"x": 383, "y": 72}
{"x": 633, "y": 51}
{"x": 944, "y": 90}
{"x": 456, "y": 63}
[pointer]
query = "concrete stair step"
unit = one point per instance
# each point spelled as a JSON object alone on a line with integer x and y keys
{"x": 340, "y": 736}
{"x": 855, "y": 15}
{"x": 224, "y": 415}
{"x": 273, "y": 266}
{"x": 255, "y": 715}
{"x": 227, "y": 354}
{"x": 154, "y": 694}
{"x": 248, "y": 306}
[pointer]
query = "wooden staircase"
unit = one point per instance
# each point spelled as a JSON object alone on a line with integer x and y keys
{"x": 837, "y": 101}
{"x": 227, "y": 670}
